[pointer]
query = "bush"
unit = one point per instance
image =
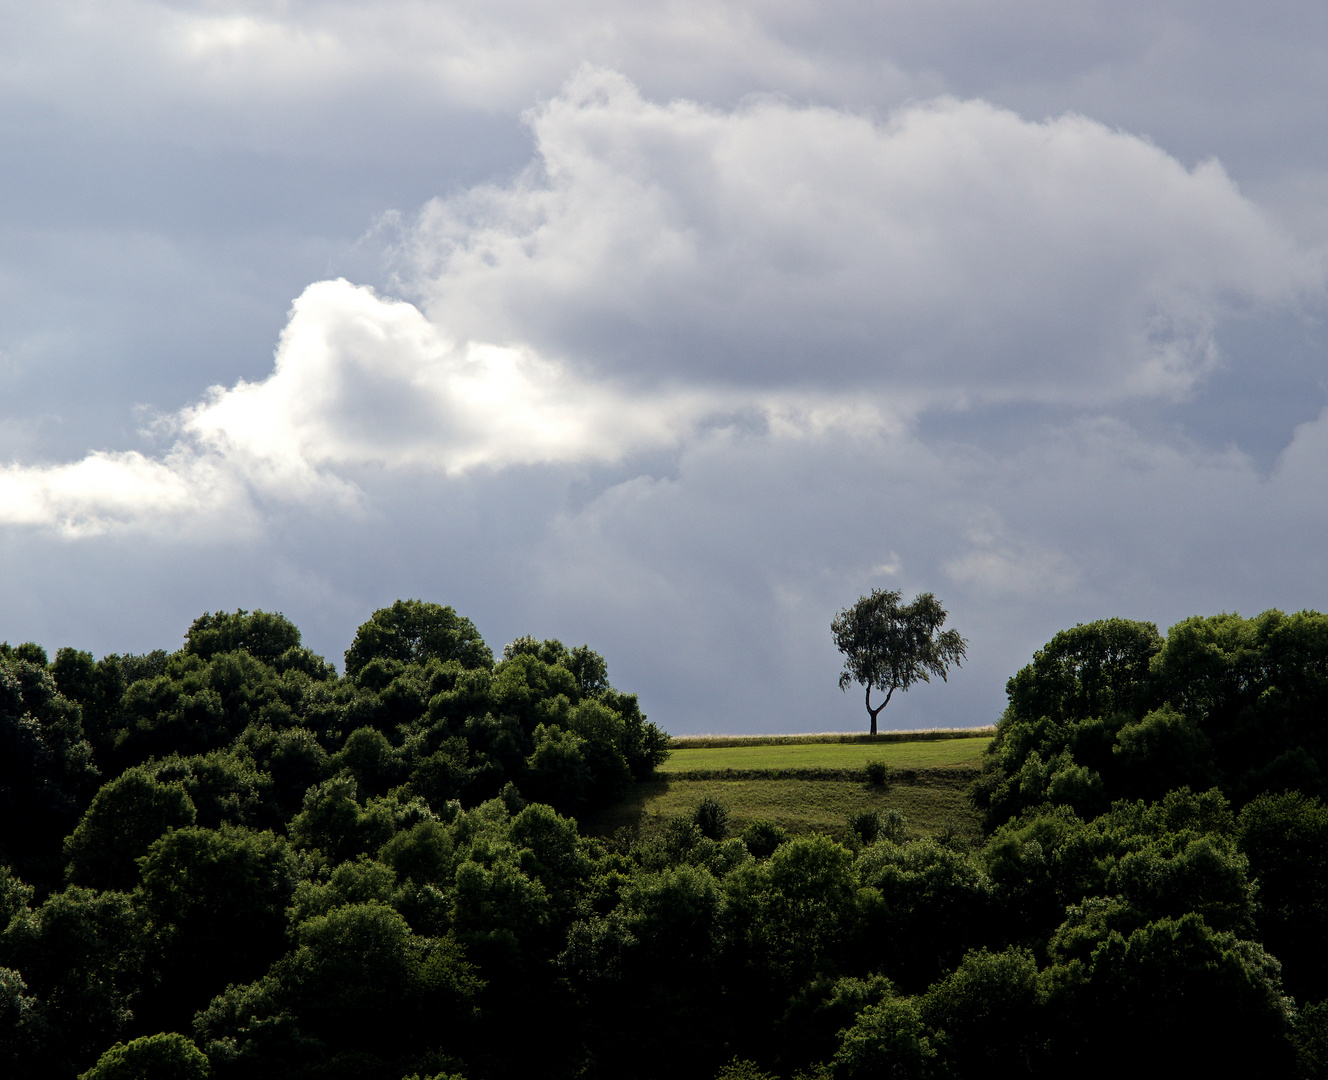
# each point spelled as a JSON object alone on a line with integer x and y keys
{"x": 763, "y": 838}
{"x": 872, "y": 825}
{"x": 878, "y": 773}
{"x": 865, "y": 827}
{"x": 712, "y": 818}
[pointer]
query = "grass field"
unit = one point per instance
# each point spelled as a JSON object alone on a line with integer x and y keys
{"x": 930, "y": 754}
{"x": 929, "y": 785}
{"x": 681, "y": 742}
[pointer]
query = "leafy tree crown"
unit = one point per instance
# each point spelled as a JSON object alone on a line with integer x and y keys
{"x": 891, "y": 645}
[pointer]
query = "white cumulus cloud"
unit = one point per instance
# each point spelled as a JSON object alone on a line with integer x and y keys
{"x": 950, "y": 251}
{"x": 363, "y": 381}
{"x": 663, "y": 270}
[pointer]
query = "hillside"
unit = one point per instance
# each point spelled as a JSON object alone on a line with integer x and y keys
{"x": 811, "y": 783}
{"x": 233, "y": 863}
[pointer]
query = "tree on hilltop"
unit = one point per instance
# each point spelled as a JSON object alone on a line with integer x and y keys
{"x": 890, "y": 646}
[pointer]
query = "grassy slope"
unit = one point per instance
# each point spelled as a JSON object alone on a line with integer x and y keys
{"x": 682, "y": 742}
{"x": 946, "y": 753}
{"x": 929, "y": 785}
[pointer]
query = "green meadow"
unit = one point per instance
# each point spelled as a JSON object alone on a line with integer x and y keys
{"x": 814, "y": 785}
{"x": 919, "y": 754}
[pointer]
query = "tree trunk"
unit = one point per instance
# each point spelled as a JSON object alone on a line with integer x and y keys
{"x": 874, "y": 713}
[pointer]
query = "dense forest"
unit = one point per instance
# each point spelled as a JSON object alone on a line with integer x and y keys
{"x": 232, "y": 861}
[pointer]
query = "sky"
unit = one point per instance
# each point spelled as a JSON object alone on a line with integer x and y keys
{"x": 672, "y": 329}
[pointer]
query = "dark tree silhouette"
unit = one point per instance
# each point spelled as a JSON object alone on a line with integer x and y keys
{"x": 889, "y": 646}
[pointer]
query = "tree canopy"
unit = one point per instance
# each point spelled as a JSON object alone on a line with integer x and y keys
{"x": 412, "y": 631}
{"x": 264, "y": 870}
{"x": 889, "y": 645}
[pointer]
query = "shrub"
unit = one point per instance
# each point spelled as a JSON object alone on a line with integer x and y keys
{"x": 763, "y": 837}
{"x": 872, "y": 825}
{"x": 712, "y": 818}
{"x": 866, "y": 826}
{"x": 878, "y": 773}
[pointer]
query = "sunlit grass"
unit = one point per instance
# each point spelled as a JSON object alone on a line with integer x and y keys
{"x": 929, "y": 777}
{"x": 930, "y": 754}
{"x": 930, "y": 806}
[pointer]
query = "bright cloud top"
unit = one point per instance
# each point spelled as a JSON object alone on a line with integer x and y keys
{"x": 360, "y": 382}
{"x": 661, "y": 269}
{"x": 364, "y": 381}
{"x": 106, "y": 490}
{"x": 954, "y": 250}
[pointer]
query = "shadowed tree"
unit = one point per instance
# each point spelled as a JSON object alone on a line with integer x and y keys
{"x": 168, "y": 1055}
{"x": 413, "y": 631}
{"x": 890, "y": 646}
{"x": 262, "y": 634}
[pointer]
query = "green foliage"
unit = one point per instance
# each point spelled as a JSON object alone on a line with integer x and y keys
{"x": 587, "y": 667}
{"x": 98, "y": 687}
{"x": 266, "y": 637}
{"x": 422, "y": 853}
{"x": 168, "y": 1056}
{"x": 550, "y": 852}
{"x": 796, "y": 913}
{"x": 711, "y": 817}
{"x": 46, "y": 767}
{"x": 891, "y": 646}
{"x": 557, "y": 772}
{"x": 1110, "y": 710}
{"x": 216, "y": 901}
{"x": 436, "y": 1076}
{"x": 358, "y": 881}
{"x": 29, "y": 652}
{"x": 125, "y": 817}
{"x": 212, "y": 753}
{"x": 869, "y": 826}
{"x": 411, "y": 631}
{"x": 292, "y": 759}
{"x": 202, "y": 703}
{"x": 1181, "y": 975}
{"x": 927, "y": 906}
{"x": 371, "y": 759}
{"x": 1163, "y": 750}
{"x": 986, "y": 1014}
{"x": 378, "y": 876}
{"x": 359, "y": 987}
{"x": 763, "y": 837}
{"x": 83, "y": 956}
{"x": 738, "y": 1069}
{"x": 1099, "y": 669}
{"x": 1163, "y": 859}
{"x": 361, "y": 975}
{"x": 1285, "y": 838}
{"x": 334, "y": 823}
{"x": 813, "y": 1025}
{"x": 21, "y": 1025}
{"x": 223, "y": 785}
{"x": 1311, "y": 1041}
{"x": 887, "y": 1040}
{"x": 15, "y": 896}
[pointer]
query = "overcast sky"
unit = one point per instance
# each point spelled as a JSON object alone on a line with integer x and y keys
{"x": 672, "y": 329}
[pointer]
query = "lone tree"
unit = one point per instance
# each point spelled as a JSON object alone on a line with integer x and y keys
{"x": 889, "y": 646}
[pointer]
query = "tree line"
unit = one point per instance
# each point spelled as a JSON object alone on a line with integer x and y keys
{"x": 233, "y": 862}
